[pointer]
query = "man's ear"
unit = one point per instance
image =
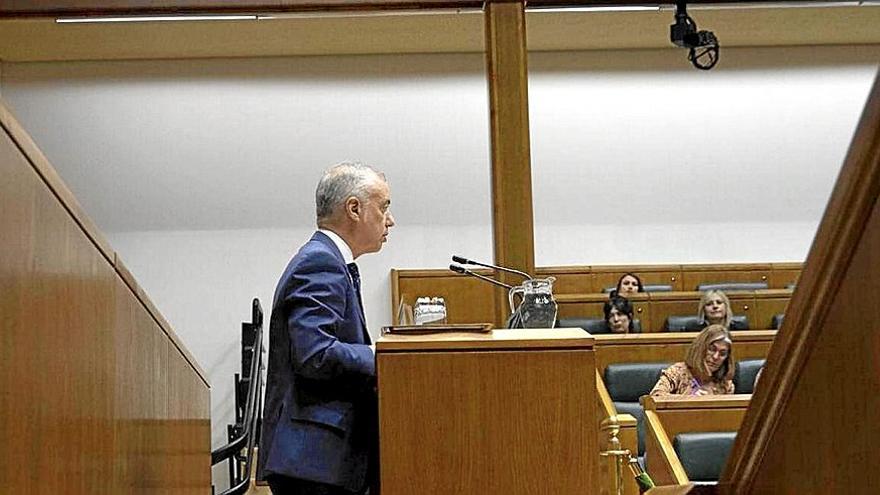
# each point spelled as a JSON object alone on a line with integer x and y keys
{"x": 353, "y": 208}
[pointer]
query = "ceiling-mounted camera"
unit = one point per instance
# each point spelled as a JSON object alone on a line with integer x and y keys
{"x": 703, "y": 45}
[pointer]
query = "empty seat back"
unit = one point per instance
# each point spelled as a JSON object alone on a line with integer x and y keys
{"x": 693, "y": 323}
{"x": 732, "y": 286}
{"x": 688, "y": 323}
{"x": 645, "y": 288}
{"x": 744, "y": 376}
{"x": 593, "y": 325}
{"x": 626, "y": 382}
{"x": 776, "y": 322}
{"x": 703, "y": 455}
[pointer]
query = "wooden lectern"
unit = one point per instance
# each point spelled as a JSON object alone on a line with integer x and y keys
{"x": 507, "y": 412}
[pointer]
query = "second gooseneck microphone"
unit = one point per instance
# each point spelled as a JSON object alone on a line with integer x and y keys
{"x": 465, "y": 271}
{"x": 465, "y": 261}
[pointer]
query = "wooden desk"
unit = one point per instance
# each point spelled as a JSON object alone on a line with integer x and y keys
{"x": 666, "y": 417}
{"x": 671, "y": 347}
{"x": 655, "y": 307}
{"x": 509, "y": 412}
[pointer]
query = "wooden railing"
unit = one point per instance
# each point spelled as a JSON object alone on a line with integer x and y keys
{"x": 812, "y": 422}
{"x": 100, "y": 395}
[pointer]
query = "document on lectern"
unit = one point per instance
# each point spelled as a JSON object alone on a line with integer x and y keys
{"x": 429, "y": 329}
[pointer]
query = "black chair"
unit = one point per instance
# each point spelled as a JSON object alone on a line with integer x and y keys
{"x": 693, "y": 323}
{"x": 594, "y": 326}
{"x": 646, "y": 288}
{"x": 744, "y": 376}
{"x": 703, "y": 455}
{"x": 689, "y": 323}
{"x": 776, "y": 322}
{"x": 732, "y": 286}
{"x": 626, "y": 382}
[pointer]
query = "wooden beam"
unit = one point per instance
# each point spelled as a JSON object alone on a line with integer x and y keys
{"x": 512, "y": 217}
{"x": 47, "y": 8}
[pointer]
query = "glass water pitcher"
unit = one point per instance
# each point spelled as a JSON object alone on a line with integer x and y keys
{"x": 537, "y": 309}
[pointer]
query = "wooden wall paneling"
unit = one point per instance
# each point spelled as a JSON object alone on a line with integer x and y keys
{"x": 767, "y": 304}
{"x": 706, "y": 414}
{"x": 705, "y": 274}
{"x": 52, "y": 180}
{"x": 580, "y": 305}
{"x": 141, "y": 398}
{"x": 667, "y": 417}
{"x": 577, "y": 281}
{"x": 468, "y": 300}
{"x": 511, "y": 431}
{"x": 839, "y": 381}
{"x": 784, "y": 274}
{"x": 823, "y": 372}
{"x": 59, "y": 339}
{"x": 642, "y": 311}
{"x": 607, "y": 276}
{"x": 665, "y": 304}
{"x": 661, "y": 461}
{"x": 80, "y": 380}
{"x": 743, "y": 303}
{"x": 188, "y": 428}
{"x": 569, "y": 279}
{"x": 159, "y": 319}
{"x": 21, "y": 391}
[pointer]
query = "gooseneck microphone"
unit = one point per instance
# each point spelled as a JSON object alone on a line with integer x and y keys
{"x": 465, "y": 271}
{"x": 465, "y": 261}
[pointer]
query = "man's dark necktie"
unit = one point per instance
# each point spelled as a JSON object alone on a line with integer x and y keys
{"x": 356, "y": 280}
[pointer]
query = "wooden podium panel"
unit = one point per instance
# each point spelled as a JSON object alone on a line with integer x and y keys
{"x": 509, "y": 412}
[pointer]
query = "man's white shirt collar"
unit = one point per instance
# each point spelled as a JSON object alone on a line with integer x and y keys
{"x": 340, "y": 244}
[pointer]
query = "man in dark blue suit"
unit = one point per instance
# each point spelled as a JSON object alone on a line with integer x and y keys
{"x": 320, "y": 425}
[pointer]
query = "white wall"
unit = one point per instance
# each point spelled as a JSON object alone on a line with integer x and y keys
{"x": 202, "y": 172}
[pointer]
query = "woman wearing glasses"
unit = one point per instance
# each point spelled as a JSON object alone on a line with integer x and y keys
{"x": 707, "y": 369}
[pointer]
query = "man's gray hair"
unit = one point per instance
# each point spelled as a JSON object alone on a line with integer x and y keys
{"x": 339, "y": 183}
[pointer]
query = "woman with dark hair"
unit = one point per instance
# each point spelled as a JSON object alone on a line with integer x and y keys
{"x": 627, "y": 285}
{"x": 707, "y": 369}
{"x": 618, "y": 314}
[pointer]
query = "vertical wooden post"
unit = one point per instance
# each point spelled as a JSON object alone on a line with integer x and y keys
{"x": 512, "y": 218}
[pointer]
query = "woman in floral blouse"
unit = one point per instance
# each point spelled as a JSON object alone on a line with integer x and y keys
{"x": 707, "y": 369}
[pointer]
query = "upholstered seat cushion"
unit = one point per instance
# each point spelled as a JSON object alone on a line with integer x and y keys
{"x": 731, "y": 286}
{"x": 744, "y": 376}
{"x": 626, "y": 383}
{"x": 703, "y": 455}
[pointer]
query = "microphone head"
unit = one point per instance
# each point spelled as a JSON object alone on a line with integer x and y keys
{"x": 459, "y": 259}
{"x": 457, "y": 269}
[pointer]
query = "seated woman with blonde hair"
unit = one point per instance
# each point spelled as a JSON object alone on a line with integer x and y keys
{"x": 715, "y": 309}
{"x": 707, "y": 369}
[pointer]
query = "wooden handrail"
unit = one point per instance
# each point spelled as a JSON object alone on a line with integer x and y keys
{"x": 837, "y": 279}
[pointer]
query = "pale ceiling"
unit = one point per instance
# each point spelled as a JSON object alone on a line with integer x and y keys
{"x": 44, "y": 40}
